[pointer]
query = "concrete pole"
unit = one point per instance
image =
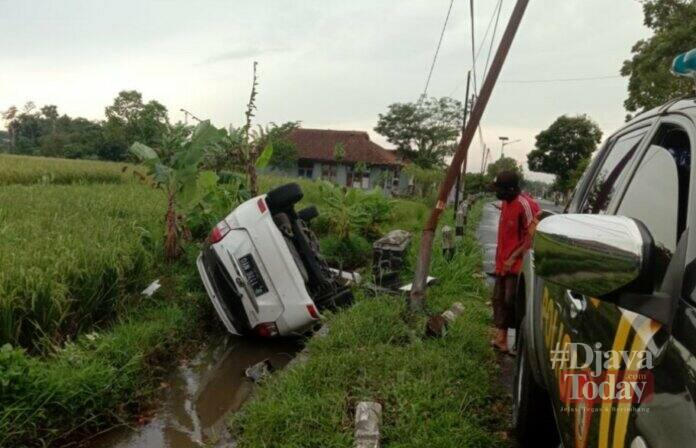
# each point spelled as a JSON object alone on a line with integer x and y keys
{"x": 417, "y": 297}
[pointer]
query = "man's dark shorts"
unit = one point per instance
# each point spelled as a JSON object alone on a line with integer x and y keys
{"x": 504, "y": 301}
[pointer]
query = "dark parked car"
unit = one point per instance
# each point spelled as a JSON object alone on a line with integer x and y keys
{"x": 607, "y": 331}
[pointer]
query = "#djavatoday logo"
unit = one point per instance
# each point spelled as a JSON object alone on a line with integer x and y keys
{"x": 588, "y": 374}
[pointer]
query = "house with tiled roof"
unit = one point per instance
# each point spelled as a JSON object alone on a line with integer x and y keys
{"x": 346, "y": 158}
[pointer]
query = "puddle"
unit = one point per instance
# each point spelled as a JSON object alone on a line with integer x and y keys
{"x": 202, "y": 392}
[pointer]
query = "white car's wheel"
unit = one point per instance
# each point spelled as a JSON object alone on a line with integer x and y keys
{"x": 283, "y": 197}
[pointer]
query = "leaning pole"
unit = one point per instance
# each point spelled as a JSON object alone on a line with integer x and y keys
{"x": 417, "y": 297}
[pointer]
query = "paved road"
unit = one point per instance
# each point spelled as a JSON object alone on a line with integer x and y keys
{"x": 487, "y": 234}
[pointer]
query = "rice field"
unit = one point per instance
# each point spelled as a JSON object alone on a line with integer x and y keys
{"x": 25, "y": 170}
{"x": 68, "y": 253}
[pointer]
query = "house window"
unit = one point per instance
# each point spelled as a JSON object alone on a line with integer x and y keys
{"x": 365, "y": 180}
{"x": 328, "y": 172}
{"x": 353, "y": 177}
{"x": 305, "y": 169}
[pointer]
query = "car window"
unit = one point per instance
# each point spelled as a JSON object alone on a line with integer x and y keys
{"x": 612, "y": 172}
{"x": 658, "y": 193}
{"x": 574, "y": 202}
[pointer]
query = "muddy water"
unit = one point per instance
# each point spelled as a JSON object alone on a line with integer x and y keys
{"x": 200, "y": 394}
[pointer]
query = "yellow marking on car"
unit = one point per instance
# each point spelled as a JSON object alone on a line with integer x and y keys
{"x": 644, "y": 334}
{"x": 620, "y": 338}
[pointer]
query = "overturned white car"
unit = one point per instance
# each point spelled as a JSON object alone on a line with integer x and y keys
{"x": 263, "y": 270}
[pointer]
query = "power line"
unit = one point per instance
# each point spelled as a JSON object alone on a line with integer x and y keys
{"x": 531, "y": 81}
{"x": 495, "y": 28}
{"x": 437, "y": 50}
{"x": 473, "y": 45}
{"x": 477, "y": 52}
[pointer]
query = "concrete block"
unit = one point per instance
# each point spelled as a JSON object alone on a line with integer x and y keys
{"x": 368, "y": 418}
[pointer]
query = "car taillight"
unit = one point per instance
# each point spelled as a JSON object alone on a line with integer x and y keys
{"x": 262, "y": 205}
{"x": 313, "y": 311}
{"x": 218, "y": 232}
{"x": 266, "y": 330}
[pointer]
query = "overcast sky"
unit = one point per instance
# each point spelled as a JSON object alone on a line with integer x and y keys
{"x": 331, "y": 64}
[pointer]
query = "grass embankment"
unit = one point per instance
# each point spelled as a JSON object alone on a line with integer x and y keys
{"x": 434, "y": 392}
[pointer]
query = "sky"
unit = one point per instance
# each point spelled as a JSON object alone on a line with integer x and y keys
{"x": 328, "y": 63}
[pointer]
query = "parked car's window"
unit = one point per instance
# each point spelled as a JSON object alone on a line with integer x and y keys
{"x": 658, "y": 192}
{"x": 611, "y": 173}
{"x": 573, "y": 203}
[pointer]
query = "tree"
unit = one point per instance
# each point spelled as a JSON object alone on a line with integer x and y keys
{"x": 424, "y": 132}
{"x": 173, "y": 168}
{"x": 284, "y": 155}
{"x": 476, "y": 183}
{"x": 577, "y": 173}
{"x": 424, "y": 179}
{"x": 129, "y": 119}
{"x": 504, "y": 164}
{"x": 650, "y": 81}
{"x": 339, "y": 151}
{"x": 47, "y": 133}
{"x": 561, "y": 147}
{"x": 8, "y": 116}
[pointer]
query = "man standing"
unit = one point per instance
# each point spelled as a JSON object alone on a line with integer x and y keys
{"x": 519, "y": 214}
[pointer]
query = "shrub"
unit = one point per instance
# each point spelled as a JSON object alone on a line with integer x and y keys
{"x": 350, "y": 210}
{"x": 346, "y": 253}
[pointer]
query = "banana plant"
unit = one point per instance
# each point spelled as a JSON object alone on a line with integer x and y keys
{"x": 173, "y": 168}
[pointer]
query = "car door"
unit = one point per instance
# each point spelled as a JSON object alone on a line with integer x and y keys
{"x": 570, "y": 320}
{"x": 660, "y": 195}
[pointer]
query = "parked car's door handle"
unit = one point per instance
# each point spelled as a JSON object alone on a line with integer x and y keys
{"x": 577, "y": 301}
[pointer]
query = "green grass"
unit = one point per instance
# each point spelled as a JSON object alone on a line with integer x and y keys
{"x": 434, "y": 392}
{"x": 26, "y": 170}
{"x": 102, "y": 378}
{"x": 67, "y": 255}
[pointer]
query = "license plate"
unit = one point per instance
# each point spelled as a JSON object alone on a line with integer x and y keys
{"x": 253, "y": 275}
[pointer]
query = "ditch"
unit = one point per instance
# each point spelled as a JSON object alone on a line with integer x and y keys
{"x": 199, "y": 394}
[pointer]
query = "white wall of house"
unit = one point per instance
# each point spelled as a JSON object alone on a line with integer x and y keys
{"x": 315, "y": 169}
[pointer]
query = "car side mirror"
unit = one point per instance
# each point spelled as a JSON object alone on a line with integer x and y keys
{"x": 594, "y": 255}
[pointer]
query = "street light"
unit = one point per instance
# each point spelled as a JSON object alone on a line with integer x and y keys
{"x": 505, "y": 141}
{"x": 189, "y": 114}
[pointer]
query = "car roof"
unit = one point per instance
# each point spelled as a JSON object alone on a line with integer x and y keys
{"x": 685, "y": 105}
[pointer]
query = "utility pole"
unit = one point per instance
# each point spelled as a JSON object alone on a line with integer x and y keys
{"x": 502, "y": 146}
{"x": 417, "y": 296}
{"x": 189, "y": 114}
{"x": 484, "y": 160}
{"x": 459, "y": 176}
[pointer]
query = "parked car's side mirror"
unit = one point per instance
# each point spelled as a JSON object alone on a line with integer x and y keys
{"x": 593, "y": 255}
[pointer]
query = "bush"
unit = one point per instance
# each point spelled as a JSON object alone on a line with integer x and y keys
{"x": 348, "y": 253}
{"x": 350, "y": 210}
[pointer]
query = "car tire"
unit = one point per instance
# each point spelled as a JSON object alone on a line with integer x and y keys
{"x": 307, "y": 214}
{"x": 532, "y": 416}
{"x": 283, "y": 197}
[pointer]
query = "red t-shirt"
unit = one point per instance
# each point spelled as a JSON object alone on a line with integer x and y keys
{"x": 515, "y": 218}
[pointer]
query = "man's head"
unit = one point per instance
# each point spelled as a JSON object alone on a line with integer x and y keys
{"x": 507, "y": 185}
